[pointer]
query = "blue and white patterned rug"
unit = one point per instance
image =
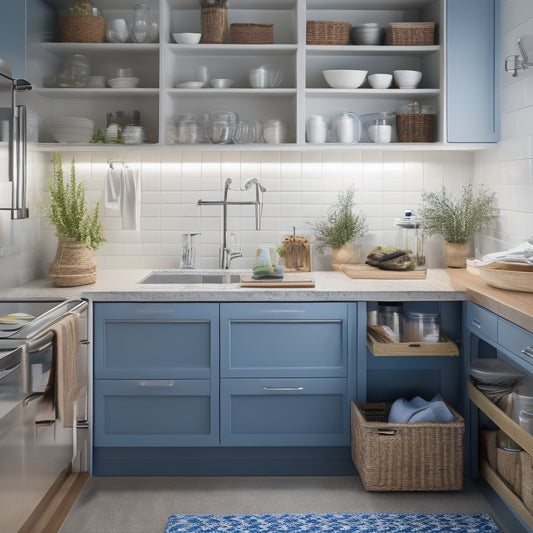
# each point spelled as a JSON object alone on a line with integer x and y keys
{"x": 334, "y": 522}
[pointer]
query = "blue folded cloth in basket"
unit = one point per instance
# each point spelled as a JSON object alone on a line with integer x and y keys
{"x": 419, "y": 410}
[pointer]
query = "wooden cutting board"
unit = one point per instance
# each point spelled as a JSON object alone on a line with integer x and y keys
{"x": 370, "y": 272}
{"x": 291, "y": 279}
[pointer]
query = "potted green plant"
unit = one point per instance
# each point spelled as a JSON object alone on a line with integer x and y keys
{"x": 79, "y": 231}
{"x": 457, "y": 219}
{"x": 340, "y": 229}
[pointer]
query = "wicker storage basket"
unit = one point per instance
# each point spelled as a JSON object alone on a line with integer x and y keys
{"x": 416, "y": 127}
{"x": 251, "y": 33}
{"x": 410, "y": 33}
{"x": 73, "y": 264}
{"x": 508, "y": 466}
{"x": 526, "y": 466}
{"x": 74, "y": 28}
{"x": 214, "y": 25}
{"x": 328, "y": 32}
{"x": 426, "y": 456}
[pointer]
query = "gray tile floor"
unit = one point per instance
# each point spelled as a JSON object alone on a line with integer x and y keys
{"x": 143, "y": 504}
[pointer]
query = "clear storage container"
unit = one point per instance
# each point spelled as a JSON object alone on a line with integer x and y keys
{"x": 421, "y": 327}
{"x": 410, "y": 239}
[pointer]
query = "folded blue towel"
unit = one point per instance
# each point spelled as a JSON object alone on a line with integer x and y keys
{"x": 419, "y": 410}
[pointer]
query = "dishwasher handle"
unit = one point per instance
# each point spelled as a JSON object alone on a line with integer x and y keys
{"x": 9, "y": 362}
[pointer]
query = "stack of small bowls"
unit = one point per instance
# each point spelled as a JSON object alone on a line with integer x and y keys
{"x": 369, "y": 33}
{"x": 71, "y": 129}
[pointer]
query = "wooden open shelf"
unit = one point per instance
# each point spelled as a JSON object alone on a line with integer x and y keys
{"x": 521, "y": 437}
{"x": 444, "y": 348}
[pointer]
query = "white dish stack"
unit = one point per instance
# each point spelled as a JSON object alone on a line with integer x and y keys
{"x": 71, "y": 129}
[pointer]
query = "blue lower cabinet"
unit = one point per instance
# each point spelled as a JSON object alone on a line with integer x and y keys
{"x": 284, "y": 412}
{"x": 163, "y": 412}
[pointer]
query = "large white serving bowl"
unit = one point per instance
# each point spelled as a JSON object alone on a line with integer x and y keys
{"x": 187, "y": 38}
{"x": 345, "y": 79}
{"x": 71, "y": 129}
{"x": 407, "y": 79}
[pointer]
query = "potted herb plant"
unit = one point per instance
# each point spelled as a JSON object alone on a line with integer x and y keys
{"x": 340, "y": 229}
{"x": 79, "y": 231}
{"x": 457, "y": 219}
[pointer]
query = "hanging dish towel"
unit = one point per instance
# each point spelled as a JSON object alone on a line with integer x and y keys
{"x": 63, "y": 382}
{"x": 113, "y": 188}
{"x": 130, "y": 199}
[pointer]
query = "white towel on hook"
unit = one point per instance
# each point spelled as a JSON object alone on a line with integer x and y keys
{"x": 130, "y": 199}
{"x": 113, "y": 188}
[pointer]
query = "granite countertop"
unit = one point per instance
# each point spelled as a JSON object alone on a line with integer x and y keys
{"x": 440, "y": 284}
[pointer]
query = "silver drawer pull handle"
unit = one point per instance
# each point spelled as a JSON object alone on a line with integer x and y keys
{"x": 266, "y": 387}
{"x": 528, "y": 350}
{"x": 156, "y": 383}
{"x": 476, "y": 323}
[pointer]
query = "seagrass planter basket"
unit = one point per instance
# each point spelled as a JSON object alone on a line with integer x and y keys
{"x": 76, "y": 28}
{"x": 326, "y": 32}
{"x": 73, "y": 264}
{"x": 423, "y": 456}
{"x": 410, "y": 33}
{"x": 251, "y": 33}
{"x": 416, "y": 127}
{"x": 214, "y": 25}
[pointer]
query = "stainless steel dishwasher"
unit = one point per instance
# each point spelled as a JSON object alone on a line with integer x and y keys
{"x": 38, "y": 448}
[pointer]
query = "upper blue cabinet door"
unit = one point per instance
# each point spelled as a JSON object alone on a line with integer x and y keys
{"x": 472, "y": 80}
{"x": 13, "y": 35}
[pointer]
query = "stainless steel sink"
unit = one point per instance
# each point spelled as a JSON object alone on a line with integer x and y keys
{"x": 190, "y": 277}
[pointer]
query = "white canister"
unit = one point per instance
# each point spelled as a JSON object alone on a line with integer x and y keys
{"x": 317, "y": 129}
{"x": 345, "y": 129}
{"x": 380, "y": 132}
{"x": 275, "y": 131}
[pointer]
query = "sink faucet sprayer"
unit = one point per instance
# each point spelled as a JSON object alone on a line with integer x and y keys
{"x": 226, "y": 255}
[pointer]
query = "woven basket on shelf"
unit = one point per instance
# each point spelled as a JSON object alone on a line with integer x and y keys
{"x": 416, "y": 127}
{"x": 73, "y": 264}
{"x": 526, "y": 488}
{"x": 328, "y": 32}
{"x": 410, "y": 33}
{"x": 423, "y": 456}
{"x": 251, "y": 33}
{"x": 74, "y": 28}
{"x": 214, "y": 24}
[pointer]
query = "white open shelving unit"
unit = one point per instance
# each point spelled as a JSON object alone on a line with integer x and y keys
{"x": 303, "y": 92}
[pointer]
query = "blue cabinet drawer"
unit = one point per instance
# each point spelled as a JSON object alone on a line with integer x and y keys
{"x": 518, "y": 341}
{"x": 284, "y": 340}
{"x": 161, "y": 412}
{"x": 481, "y": 321}
{"x": 284, "y": 412}
{"x": 137, "y": 341}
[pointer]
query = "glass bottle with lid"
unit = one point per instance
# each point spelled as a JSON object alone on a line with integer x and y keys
{"x": 409, "y": 237}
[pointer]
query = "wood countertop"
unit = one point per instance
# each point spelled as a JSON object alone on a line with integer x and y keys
{"x": 512, "y": 305}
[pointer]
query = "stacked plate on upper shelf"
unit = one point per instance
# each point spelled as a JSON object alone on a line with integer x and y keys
{"x": 123, "y": 83}
{"x": 71, "y": 129}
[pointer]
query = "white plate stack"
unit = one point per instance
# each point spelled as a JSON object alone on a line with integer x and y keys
{"x": 123, "y": 83}
{"x": 71, "y": 129}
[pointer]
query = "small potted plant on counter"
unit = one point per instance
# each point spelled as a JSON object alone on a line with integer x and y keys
{"x": 457, "y": 219}
{"x": 340, "y": 229}
{"x": 79, "y": 231}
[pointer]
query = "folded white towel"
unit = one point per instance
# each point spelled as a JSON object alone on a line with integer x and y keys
{"x": 523, "y": 253}
{"x": 130, "y": 199}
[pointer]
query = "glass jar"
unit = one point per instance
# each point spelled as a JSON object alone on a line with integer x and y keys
{"x": 390, "y": 315}
{"x": 317, "y": 129}
{"x": 422, "y": 327}
{"x": 275, "y": 131}
{"x": 409, "y": 238}
{"x": 380, "y": 131}
{"x": 142, "y": 24}
{"x": 74, "y": 72}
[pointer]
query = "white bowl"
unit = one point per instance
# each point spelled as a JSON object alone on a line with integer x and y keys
{"x": 380, "y": 81}
{"x": 123, "y": 83}
{"x": 345, "y": 79}
{"x": 221, "y": 83}
{"x": 187, "y": 38}
{"x": 407, "y": 79}
{"x": 190, "y": 85}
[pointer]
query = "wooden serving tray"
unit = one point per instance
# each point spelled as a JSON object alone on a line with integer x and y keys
{"x": 370, "y": 272}
{"x": 292, "y": 279}
{"x": 444, "y": 348}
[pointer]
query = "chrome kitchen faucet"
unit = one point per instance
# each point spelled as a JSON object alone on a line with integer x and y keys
{"x": 226, "y": 255}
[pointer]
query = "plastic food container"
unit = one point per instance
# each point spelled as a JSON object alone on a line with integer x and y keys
{"x": 421, "y": 327}
{"x": 390, "y": 314}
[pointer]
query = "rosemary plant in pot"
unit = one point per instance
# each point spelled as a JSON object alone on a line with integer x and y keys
{"x": 457, "y": 219}
{"x": 340, "y": 229}
{"x": 79, "y": 231}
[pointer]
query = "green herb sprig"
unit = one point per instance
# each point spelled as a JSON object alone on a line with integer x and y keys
{"x": 67, "y": 208}
{"x": 341, "y": 225}
{"x": 458, "y": 219}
